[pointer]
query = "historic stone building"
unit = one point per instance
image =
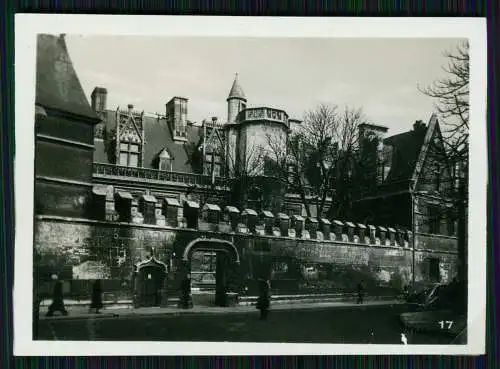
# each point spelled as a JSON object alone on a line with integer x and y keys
{"x": 154, "y": 205}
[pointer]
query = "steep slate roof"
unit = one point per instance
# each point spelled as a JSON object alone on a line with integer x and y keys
{"x": 157, "y": 136}
{"x": 406, "y": 150}
{"x": 57, "y": 85}
{"x": 236, "y": 90}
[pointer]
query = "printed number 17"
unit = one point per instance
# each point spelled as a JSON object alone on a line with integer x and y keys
{"x": 445, "y": 324}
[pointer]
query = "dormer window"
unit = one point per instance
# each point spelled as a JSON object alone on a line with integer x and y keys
{"x": 165, "y": 161}
{"x": 129, "y": 153}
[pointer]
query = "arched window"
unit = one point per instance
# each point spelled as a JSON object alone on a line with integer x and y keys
{"x": 165, "y": 161}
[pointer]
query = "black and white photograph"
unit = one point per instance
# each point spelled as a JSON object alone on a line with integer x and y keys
{"x": 229, "y": 186}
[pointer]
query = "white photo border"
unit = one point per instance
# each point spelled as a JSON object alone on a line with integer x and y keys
{"x": 27, "y": 26}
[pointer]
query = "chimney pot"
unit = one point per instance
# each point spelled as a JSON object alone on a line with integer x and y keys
{"x": 98, "y": 99}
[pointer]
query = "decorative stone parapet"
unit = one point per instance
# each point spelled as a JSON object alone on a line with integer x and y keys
{"x": 361, "y": 230}
{"x": 372, "y": 233}
{"x": 249, "y": 218}
{"x": 123, "y": 205}
{"x": 382, "y": 235}
{"x": 400, "y": 237}
{"x": 167, "y": 212}
{"x": 337, "y": 229}
{"x": 266, "y": 217}
{"x": 283, "y": 223}
{"x": 100, "y": 203}
{"x": 136, "y": 215}
{"x": 260, "y": 230}
{"x": 211, "y": 213}
{"x": 182, "y": 222}
{"x": 232, "y": 216}
{"x": 147, "y": 207}
{"x": 241, "y": 228}
{"x": 312, "y": 226}
{"x": 392, "y": 236}
{"x": 350, "y": 231}
{"x": 410, "y": 238}
{"x": 191, "y": 213}
{"x": 172, "y": 210}
{"x": 298, "y": 225}
{"x": 324, "y": 227}
{"x": 160, "y": 218}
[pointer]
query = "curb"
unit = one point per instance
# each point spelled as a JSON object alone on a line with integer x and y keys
{"x": 250, "y": 300}
{"x": 220, "y": 311}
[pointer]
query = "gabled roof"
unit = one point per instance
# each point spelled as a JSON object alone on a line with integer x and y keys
{"x": 236, "y": 90}
{"x": 433, "y": 126}
{"x": 57, "y": 84}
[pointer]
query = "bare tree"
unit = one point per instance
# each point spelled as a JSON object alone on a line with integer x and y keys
{"x": 452, "y": 101}
{"x": 242, "y": 169}
{"x": 318, "y": 162}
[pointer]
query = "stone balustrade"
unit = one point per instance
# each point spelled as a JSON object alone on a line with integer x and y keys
{"x": 121, "y": 206}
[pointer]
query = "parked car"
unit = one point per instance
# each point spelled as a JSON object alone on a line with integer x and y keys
{"x": 437, "y": 296}
{"x": 419, "y": 293}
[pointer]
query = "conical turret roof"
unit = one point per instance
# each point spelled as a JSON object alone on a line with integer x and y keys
{"x": 57, "y": 84}
{"x": 236, "y": 90}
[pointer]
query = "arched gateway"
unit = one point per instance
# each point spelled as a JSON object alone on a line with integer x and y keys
{"x": 226, "y": 253}
{"x": 148, "y": 278}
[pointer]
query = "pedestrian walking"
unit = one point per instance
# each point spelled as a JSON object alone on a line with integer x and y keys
{"x": 406, "y": 292}
{"x": 57, "y": 298}
{"x": 264, "y": 299}
{"x": 96, "y": 297}
{"x": 361, "y": 292}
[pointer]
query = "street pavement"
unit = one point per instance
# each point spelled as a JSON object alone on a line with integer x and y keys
{"x": 376, "y": 322}
{"x": 82, "y": 312}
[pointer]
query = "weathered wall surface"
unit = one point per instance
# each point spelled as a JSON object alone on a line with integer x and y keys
{"x": 292, "y": 265}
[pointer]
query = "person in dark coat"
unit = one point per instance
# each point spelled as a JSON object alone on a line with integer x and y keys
{"x": 57, "y": 299}
{"x": 406, "y": 292}
{"x": 185, "y": 300}
{"x": 361, "y": 292}
{"x": 96, "y": 299}
{"x": 264, "y": 299}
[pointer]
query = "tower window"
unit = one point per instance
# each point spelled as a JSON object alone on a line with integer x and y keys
{"x": 129, "y": 154}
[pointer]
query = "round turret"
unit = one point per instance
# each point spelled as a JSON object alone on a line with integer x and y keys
{"x": 236, "y": 101}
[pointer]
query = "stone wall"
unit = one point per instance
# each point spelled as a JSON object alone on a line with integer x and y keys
{"x": 293, "y": 265}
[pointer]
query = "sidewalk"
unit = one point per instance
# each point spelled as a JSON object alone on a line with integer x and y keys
{"x": 82, "y": 312}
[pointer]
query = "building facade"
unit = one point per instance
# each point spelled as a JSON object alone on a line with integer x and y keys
{"x": 150, "y": 201}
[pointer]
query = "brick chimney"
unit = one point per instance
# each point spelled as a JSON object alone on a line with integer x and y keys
{"x": 99, "y": 99}
{"x": 419, "y": 126}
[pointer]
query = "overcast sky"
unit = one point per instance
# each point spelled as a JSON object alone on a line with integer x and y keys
{"x": 294, "y": 74}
